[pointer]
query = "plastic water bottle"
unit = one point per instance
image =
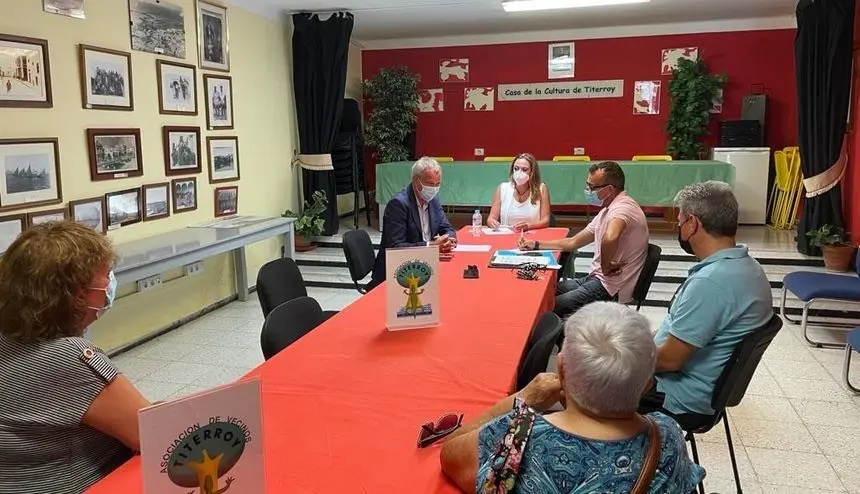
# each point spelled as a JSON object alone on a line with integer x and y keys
{"x": 476, "y": 223}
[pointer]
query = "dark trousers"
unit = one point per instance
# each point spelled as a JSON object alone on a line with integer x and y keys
{"x": 652, "y": 401}
{"x": 572, "y": 295}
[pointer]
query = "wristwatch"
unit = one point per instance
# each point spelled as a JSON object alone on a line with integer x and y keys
{"x": 537, "y": 245}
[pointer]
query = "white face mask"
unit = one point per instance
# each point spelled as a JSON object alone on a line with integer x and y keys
{"x": 520, "y": 177}
{"x": 428, "y": 193}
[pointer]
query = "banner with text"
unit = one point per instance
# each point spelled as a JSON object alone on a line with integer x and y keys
{"x": 561, "y": 90}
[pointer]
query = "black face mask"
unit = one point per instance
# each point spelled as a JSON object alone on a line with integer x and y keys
{"x": 685, "y": 244}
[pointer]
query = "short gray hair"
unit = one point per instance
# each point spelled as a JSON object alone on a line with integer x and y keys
{"x": 714, "y": 203}
{"x": 609, "y": 356}
{"x": 424, "y": 164}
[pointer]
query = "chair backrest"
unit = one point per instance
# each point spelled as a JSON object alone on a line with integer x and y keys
{"x": 287, "y": 323}
{"x": 279, "y": 281}
{"x": 857, "y": 263}
{"x": 443, "y": 159}
{"x": 539, "y": 348}
{"x": 567, "y": 259}
{"x": 739, "y": 370}
{"x": 571, "y": 158}
{"x": 358, "y": 249}
{"x": 652, "y": 157}
{"x": 508, "y": 159}
{"x": 646, "y": 277}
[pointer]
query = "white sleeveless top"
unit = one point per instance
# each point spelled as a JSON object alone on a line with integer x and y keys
{"x": 512, "y": 212}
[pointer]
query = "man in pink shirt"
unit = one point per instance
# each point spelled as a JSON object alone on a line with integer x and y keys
{"x": 620, "y": 236}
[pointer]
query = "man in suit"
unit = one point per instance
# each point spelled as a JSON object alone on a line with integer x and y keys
{"x": 414, "y": 217}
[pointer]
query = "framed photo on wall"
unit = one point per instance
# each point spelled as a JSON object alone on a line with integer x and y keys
{"x": 69, "y": 8}
{"x": 31, "y": 173}
{"x": 105, "y": 79}
{"x": 177, "y": 88}
{"x": 10, "y": 227}
{"x": 223, "y": 159}
{"x": 157, "y": 26}
{"x": 114, "y": 153}
{"x": 123, "y": 207}
{"x": 181, "y": 150}
{"x": 213, "y": 37}
{"x": 226, "y": 201}
{"x": 89, "y": 212}
{"x": 184, "y": 194}
{"x": 39, "y": 217}
{"x": 25, "y": 72}
{"x": 156, "y": 201}
{"x": 219, "y": 101}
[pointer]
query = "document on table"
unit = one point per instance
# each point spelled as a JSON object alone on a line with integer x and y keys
{"x": 472, "y": 248}
{"x": 503, "y": 230}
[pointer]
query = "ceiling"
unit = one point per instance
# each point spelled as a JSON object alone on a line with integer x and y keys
{"x": 394, "y": 19}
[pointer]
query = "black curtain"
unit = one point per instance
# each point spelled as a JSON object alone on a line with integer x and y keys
{"x": 320, "y": 52}
{"x": 823, "y": 56}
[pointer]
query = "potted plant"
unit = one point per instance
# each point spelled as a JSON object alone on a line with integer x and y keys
{"x": 835, "y": 246}
{"x": 393, "y": 92}
{"x": 692, "y": 92}
{"x": 308, "y": 224}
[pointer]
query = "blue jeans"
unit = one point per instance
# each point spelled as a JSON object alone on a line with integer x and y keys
{"x": 572, "y": 295}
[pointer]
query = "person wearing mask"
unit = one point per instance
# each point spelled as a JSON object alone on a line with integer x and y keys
{"x": 68, "y": 417}
{"x": 597, "y": 443}
{"x": 414, "y": 217}
{"x": 522, "y": 202}
{"x": 620, "y": 236}
{"x": 725, "y": 297}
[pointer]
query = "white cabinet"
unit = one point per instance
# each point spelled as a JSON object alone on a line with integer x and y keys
{"x": 751, "y": 172}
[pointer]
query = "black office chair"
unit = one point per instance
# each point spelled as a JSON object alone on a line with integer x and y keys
{"x": 539, "y": 348}
{"x": 730, "y": 389}
{"x": 646, "y": 277}
{"x": 360, "y": 257}
{"x": 567, "y": 260}
{"x": 280, "y": 281}
{"x": 552, "y": 220}
{"x": 288, "y": 322}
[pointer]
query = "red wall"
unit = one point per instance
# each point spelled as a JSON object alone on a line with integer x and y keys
{"x": 606, "y": 128}
{"x": 851, "y": 182}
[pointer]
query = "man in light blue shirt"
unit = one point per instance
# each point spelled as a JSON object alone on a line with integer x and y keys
{"x": 726, "y": 297}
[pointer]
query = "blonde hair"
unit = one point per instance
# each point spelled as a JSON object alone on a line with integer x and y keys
{"x": 42, "y": 275}
{"x": 534, "y": 175}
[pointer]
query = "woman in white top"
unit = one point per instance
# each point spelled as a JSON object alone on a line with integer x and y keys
{"x": 521, "y": 203}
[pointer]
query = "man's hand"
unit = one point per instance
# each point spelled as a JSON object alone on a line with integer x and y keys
{"x": 493, "y": 223}
{"x": 543, "y": 392}
{"x": 445, "y": 243}
{"x": 522, "y": 226}
{"x": 525, "y": 244}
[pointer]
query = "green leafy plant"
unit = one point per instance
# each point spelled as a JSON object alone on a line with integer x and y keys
{"x": 692, "y": 92}
{"x": 394, "y": 95}
{"x": 829, "y": 236}
{"x": 308, "y": 223}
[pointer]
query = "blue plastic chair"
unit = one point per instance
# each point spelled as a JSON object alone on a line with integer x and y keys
{"x": 812, "y": 287}
{"x": 852, "y": 344}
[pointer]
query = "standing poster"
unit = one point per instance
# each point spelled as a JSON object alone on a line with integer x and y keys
{"x": 208, "y": 442}
{"x": 646, "y": 98}
{"x": 562, "y": 60}
{"x": 412, "y": 287}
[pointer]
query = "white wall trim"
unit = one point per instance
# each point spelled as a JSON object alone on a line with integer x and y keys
{"x": 728, "y": 25}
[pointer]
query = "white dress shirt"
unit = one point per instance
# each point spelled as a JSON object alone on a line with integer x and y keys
{"x": 424, "y": 214}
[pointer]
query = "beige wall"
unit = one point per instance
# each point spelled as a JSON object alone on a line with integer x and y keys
{"x": 353, "y": 90}
{"x": 264, "y": 119}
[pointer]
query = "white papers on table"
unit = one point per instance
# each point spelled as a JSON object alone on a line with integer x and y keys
{"x": 503, "y": 230}
{"x": 503, "y": 260}
{"x": 541, "y": 251}
{"x": 472, "y": 248}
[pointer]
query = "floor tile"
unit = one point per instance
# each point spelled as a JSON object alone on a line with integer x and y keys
{"x": 157, "y": 391}
{"x": 715, "y": 459}
{"x": 136, "y": 368}
{"x": 784, "y": 489}
{"x": 818, "y": 390}
{"x": 794, "y": 369}
{"x": 837, "y": 441}
{"x": 212, "y": 356}
{"x": 763, "y": 384}
{"x": 219, "y": 376}
{"x": 790, "y": 468}
{"x": 788, "y": 436}
{"x": 179, "y": 372}
{"x": 828, "y": 413}
{"x": 164, "y": 350}
{"x": 726, "y": 486}
{"x": 770, "y": 407}
{"x": 847, "y": 470}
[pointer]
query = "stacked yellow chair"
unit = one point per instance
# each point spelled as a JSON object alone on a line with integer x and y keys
{"x": 491, "y": 159}
{"x": 787, "y": 191}
{"x": 652, "y": 157}
{"x": 443, "y": 159}
{"x": 571, "y": 158}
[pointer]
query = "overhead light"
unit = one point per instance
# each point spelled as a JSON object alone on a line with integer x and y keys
{"x": 526, "y": 5}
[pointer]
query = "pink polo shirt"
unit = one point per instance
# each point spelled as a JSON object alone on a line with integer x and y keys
{"x": 632, "y": 246}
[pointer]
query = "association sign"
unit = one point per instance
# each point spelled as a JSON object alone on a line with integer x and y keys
{"x": 412, "y": 285}
{"x": 561, "y": 90}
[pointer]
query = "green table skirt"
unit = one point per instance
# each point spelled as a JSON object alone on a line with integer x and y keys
{"x": 467, "y": 183}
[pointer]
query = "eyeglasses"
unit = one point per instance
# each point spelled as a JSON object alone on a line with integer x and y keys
{"x": 431, "y": 432}
{"x": 595, "y": 187}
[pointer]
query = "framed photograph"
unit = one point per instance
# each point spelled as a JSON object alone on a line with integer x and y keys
{"x": 157, "y": 26}
{"x": 184, "y": 194}
{"x": 219, "y": 101}
{"x": 181, "y": 150}
{"x": 105, "y": 79}
{"x": 39, "y": 217}
{"x": 223, "y": 159}
{"x": 226, "y": 201}
{"x": 114, "y": 153}
{"x": 156, "y": 201}
{"x": 25, "y": 72}
{"x": 177, "y": 88}
{"x": 31, "y": 173}
{"x": 213, "y": 38}
{"x": 562, "y": 60}
{"x": 89, "y": 212}
{"x": 10, "y": 227}
{"x": 123, "y": 207}
{"x": 68, "y": 8}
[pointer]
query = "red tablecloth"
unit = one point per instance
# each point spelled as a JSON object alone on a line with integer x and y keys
{"x": 343, "y": 405}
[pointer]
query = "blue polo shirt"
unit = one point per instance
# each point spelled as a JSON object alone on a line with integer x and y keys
{"x": 724, "y": 298}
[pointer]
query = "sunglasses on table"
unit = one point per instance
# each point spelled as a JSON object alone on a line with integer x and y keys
{"x": 431, "y": 432}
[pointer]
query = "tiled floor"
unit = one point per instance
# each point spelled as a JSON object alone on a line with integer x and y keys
{"x": 796, "y": 431}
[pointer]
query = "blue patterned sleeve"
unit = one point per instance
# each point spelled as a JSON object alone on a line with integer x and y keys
{"x": 679, "y": 469}
{"x": 489, "y": 436}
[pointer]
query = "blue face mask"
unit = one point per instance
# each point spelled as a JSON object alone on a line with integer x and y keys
{"x": 110, "y": 295}
{"x": 592, "y": 198}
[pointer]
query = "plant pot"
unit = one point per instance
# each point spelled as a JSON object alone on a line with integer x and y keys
{"x": 304, "y": 244}
{"x": 837, "y": 257}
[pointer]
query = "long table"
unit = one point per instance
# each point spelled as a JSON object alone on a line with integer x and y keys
{"x": 342, "y": 406}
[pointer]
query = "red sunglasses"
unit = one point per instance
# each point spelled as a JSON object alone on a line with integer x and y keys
{"x": 431, "y": 432}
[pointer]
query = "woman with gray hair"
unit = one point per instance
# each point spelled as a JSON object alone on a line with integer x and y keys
{"x": 598, "y": 443}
